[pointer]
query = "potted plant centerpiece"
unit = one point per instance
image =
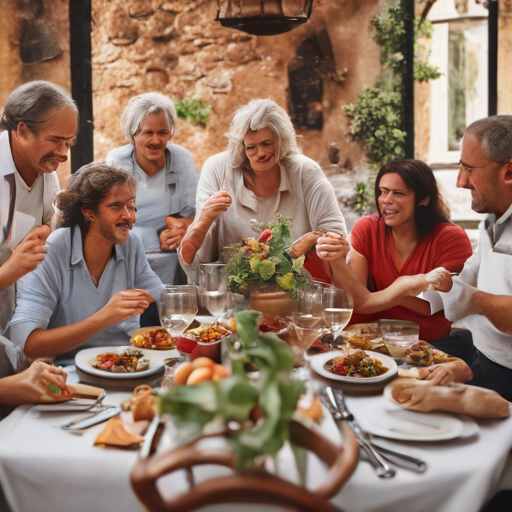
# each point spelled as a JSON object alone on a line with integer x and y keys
{"x": 251, "y": 420}
{"x": 262, "y": 269}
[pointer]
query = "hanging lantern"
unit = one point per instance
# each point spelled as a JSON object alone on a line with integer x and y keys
{"x": 264, "y": 17}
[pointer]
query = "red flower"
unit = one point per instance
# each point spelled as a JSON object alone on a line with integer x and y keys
{"x": 265, "y": 236}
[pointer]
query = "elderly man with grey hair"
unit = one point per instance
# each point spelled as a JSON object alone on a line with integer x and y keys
{"x": 479, "y": 300}
{"x": 166, "y": 184}
{"x": 37, "y": 128}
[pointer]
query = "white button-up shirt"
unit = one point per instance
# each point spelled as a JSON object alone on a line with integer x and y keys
{"x": 488, "y": 270}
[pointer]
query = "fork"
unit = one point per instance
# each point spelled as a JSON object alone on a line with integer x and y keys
{"x": 338, "y": 409}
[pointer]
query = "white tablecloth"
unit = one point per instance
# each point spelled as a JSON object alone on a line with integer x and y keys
{"x": 45, "y": 469}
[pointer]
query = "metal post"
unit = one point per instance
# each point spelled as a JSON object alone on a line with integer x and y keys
{"x": 492, "y": 28}
{"x": 81, "y": 79}
{"x": 408, "y": 77}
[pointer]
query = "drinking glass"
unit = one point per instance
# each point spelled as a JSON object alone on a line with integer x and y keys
{"x": 337, "y": 309}
{"x": 177, "y": 308}
{"x": 307, "y": 326}
{"x": 398, "y": 336}
{"x": 213, "y": 288}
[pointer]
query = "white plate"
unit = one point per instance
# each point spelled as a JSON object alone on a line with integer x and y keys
{"x": 391, "y": 421}
{"x": 317, "y": 363}
{"x": 469, "y": 425}
{"x": 156, "y": 361}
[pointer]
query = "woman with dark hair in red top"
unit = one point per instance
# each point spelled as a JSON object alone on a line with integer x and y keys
{"x": 411, "y": 234}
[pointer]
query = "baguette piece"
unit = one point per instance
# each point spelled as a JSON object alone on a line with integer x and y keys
{"x": 425, "y": 396}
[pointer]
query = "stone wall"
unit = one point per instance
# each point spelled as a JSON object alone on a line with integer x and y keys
{"x": 504, "y": 57}
{"x": 34, "y": 45}
{"x": 177, "y": 48}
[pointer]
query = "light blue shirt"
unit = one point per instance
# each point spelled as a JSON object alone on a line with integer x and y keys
{"x": 171, "y": 192}
{"x": 60, "y": 290}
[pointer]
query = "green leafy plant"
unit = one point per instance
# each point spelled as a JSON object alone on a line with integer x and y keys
{"x": 274, "y": 396}
{"x": 193, "y": 110}
{"x": 376, "y": 115}
{"x": 264, "y": 262}
{"x": 375, "y": 125}
{"x": 364, "y": 199}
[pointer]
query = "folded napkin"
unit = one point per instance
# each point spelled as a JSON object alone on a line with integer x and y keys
{"x": 115, "y": 435}
{"x": 424, "y": 395}
{"x": 311, "y": 408}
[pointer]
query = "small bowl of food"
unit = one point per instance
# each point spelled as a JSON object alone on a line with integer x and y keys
{"x": 152, "y": 338}
{"x": 208, "y": 339}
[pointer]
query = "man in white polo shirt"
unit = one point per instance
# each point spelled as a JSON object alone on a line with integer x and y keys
{"x": 480, "y": 299}
{"x": 37, "y": 128}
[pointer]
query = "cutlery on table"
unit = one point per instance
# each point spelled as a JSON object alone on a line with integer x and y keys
{"x": 103, "y": 415}
{"x": 338, "y": 409}
{"x": 401, "y": 459}
{"x": 397, "y": 458}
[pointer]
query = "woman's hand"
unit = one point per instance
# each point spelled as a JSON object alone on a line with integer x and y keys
{"x": 331, "y": 247}
{"x": 126, "y": 304}
{"x": 215, "y": 206}
{"x": 171, "y": 238}
{"x": 212, "y": 209}
{"x": 440, "y": 280}
{"x": 35, "y": 384}
{"x": 302, "y": 245}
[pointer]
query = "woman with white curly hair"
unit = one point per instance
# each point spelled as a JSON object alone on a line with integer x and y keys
{"x": 262, "y": 173}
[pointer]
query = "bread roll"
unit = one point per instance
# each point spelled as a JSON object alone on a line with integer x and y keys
{"x": 455, "y": 397}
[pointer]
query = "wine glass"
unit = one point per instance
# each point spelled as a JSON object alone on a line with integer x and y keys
{"x": 307, "y": 326}
{"x": 177, "y": 308}
{"x": 213, "y": 288}
{"x": 337, "y": 309}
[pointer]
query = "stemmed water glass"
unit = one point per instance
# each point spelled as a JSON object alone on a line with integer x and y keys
{"x": 213, "y": 288}
{"x": 337, "y": 307}
{"x": 307, "y": 326}
{"x": 177, "y": 308}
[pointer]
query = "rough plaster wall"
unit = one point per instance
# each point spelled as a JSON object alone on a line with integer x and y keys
{"x": 504, "y": 57}
{"x": 14, "y": 71}
{"x": 421, "y": 120}
{"x": 177, "y": 48}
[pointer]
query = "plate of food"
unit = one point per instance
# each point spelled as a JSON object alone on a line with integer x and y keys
{"x": 365, "y": 337}
{"x": 355, "y": 366}
{"x": 120, "y": 362}
{"x": 152, "y": 338}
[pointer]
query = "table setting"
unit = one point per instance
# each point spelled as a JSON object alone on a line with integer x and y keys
{"x": 396, "y": 426}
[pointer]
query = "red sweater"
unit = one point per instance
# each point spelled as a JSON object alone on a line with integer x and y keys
{"x": 447, "y": 246}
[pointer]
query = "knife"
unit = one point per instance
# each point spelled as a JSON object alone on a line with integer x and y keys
{"x": 100, "y": 417}
{"x": 340, "y": 413}
{"x": 401, "y": 459}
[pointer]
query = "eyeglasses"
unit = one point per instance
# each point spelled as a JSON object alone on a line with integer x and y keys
{"x": 470, "y": 168}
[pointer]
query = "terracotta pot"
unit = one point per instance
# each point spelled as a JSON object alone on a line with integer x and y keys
{"x": 278, "y": 303}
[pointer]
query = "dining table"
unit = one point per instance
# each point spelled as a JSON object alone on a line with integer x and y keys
{"x": 44, "y": 468}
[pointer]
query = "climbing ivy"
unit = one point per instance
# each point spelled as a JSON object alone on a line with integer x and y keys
{"x": 376, "y": 115}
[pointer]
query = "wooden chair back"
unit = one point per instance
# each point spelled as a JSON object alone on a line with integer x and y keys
{"x": 249, "y": 486}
